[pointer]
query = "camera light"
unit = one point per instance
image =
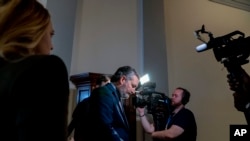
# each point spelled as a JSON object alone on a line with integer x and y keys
{"x": 144, "y": 79}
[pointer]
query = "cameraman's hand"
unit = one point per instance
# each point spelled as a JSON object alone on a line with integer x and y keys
{"x": 141, "y": 111}
{"x": 241, "y": 87}
{"x": 240, "y": 101}
{"x": 239, "y": 84}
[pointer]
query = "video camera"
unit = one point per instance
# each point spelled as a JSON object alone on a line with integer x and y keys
{"x": 157, "y": 104}
{"x": 232, "y": 49}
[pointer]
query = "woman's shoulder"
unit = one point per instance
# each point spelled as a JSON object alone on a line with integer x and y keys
{"x": 44, "y": 58}
{"x": 34, "y": 62}
{"x": 41, "y": 64}
{"x": 38, "y": 61}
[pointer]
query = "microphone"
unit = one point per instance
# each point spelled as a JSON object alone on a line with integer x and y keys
{"x": 202, "y": 47}
{"x": 219, "y": 41}
{"x": 214, "y": 42}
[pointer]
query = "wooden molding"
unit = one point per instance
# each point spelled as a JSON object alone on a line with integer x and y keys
{"x": 241, "y": 4}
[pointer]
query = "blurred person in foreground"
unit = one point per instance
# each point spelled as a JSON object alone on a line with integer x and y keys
{"x": 34, "y": 86}
{"x": 102, "y": 80}
{"x": 78, "y": 122}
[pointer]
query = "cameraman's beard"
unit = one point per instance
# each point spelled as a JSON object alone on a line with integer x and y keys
{"x": 176, "y": 104}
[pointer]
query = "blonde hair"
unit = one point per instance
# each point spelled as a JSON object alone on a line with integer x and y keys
{"x": 22, "y": 25}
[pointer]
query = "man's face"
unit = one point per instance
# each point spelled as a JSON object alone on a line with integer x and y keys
{"x": 128, "y": 86}
{"x": 177, "y": 97}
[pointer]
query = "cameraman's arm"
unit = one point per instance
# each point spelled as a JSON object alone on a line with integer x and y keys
{"x": 148, "y": 127}
{"x": 241, "y": 82}
{"x": 168, "y": 134}
{"x": 241, "y": 86}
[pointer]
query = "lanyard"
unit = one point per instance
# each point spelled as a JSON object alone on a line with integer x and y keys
{"x": 169, "y": 120}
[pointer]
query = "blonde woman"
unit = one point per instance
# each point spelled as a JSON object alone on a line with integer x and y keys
{"x": 34, "y": 85}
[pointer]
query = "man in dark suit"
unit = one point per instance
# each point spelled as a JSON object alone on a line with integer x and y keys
{"x": 78, "y": 122}
{"x": 107, "y": 119}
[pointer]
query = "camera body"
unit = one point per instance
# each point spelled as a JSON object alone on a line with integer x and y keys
{"x": 232, "y": 53}
{"x": 156, "y": 103}
{"x": 232, "y": 49}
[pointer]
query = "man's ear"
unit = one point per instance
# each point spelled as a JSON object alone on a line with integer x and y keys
{"x": 122, "y": 79}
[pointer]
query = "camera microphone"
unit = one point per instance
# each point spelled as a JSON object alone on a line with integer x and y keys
{"x": 201, "y": 47}
{"x": 213, "y": 42}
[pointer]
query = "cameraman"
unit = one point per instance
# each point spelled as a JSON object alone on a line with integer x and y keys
{"x": 180, "y": 126}
{"x": 241, "y": 87}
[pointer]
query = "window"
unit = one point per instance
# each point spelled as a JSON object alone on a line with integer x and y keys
{"x": 83, "y": 93}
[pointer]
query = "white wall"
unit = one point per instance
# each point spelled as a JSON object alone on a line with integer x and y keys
{"x": 43, "y": 2}
{"x": 211, "y": 100}
{"x": 106, "y": 36}
{"x": 63, "y": 18}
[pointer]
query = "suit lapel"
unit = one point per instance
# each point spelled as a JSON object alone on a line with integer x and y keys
{"x": 122, "y": 109}
{"x": 118, "y": 104}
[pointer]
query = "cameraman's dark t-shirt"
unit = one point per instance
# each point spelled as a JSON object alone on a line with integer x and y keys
{"x": 186, "y": 120}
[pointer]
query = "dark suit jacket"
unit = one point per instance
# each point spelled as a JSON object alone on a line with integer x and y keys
{"x": 79, "y": 120}
{"x": 107, "y": 115}
{"x": 33, "y": 99}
